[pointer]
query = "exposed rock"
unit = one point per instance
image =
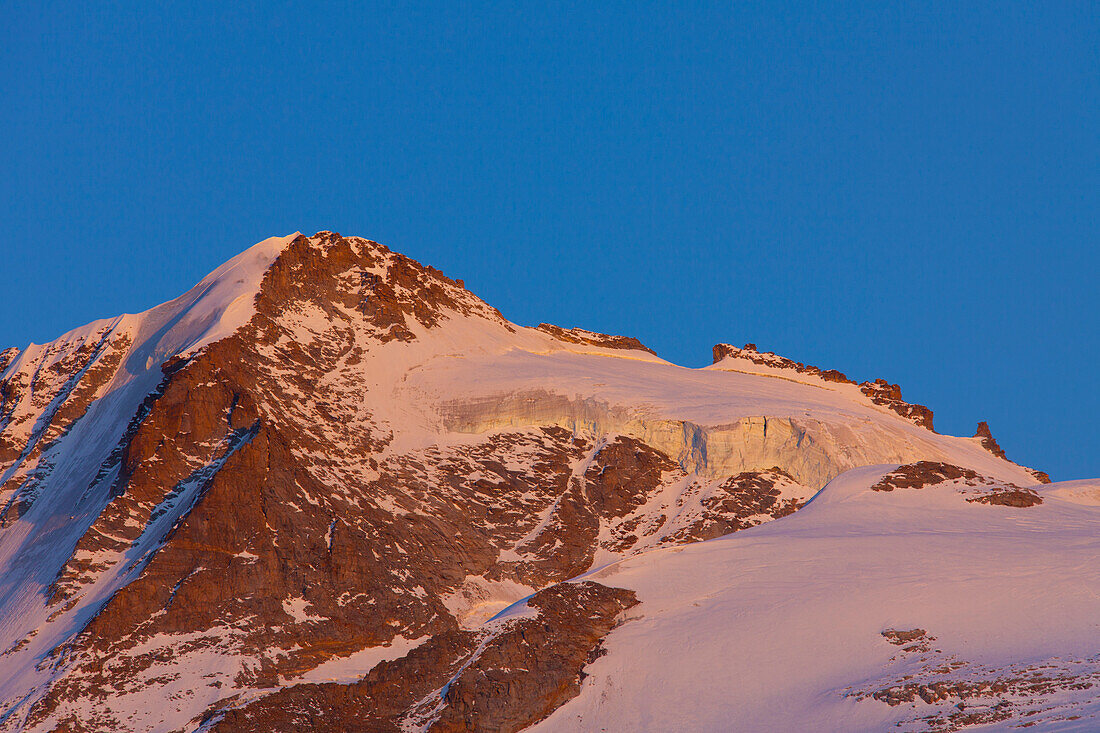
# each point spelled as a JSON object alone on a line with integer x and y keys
{"x": 911, "y": 640}
{"x": 888, "y": 395}
{"x": 922, "y": 473}
{"x": 1041, "y": 476}
{"x": 459, "y": 680}
{"x": 580, "y": 336}
{"x": 534, "y": 666}
{"x": 879, "y": 391}
{"x": 622, "y": 475}
{"x": 7, "y": 356}
{"x": 979, "y": 489}
{"x": 1011, "y": 497}
{"x": 750, "y": 352}
{"x": 377, "y": 703}
{"x": 41, "y": 398}
{"x": 988, "y": 441}
{"x": 901, "y": 638}
{"x": 949, "y": 694}
{"x": 740, "y": 501}
{"x": 991, "y": 445}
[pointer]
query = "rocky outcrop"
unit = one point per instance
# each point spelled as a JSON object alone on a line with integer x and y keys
{"x": 977, "y": 489}
{"x": 888, "y": 395}
{"x": 1041, "y": 476}
{"x": 879, "y": 391}
{"x": 377, "y": 703}
{"x": 502, "y": 680}
{"x": 624, "y": 474}
{"x": 740, "y": 501}
{"x": 7, "y": 356}
{"x": 988, "y": 441}
{"x": 947, "y": 693}
{"x": 1014, "y": 497}
{"x": 921, "y": 474}
{"x": 990, "y": 444}
{"x": 535, "y": 666}
{"x": 913, "y": 640}
{"x": 750, "y": 352}
{"x": 591, "y": 338}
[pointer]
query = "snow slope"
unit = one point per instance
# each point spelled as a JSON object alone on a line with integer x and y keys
{"x": 780, "y": 627}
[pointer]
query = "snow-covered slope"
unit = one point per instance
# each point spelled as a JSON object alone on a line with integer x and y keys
{"x": 911, "y": 609}
{"x": 327, "y": 460}
{"x": 66, "y": 408}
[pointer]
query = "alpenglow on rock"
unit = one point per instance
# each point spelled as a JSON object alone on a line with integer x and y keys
{"x": 329, "y": 488}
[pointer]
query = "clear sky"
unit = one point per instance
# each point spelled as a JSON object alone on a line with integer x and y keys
{"x": 899, "y": 190}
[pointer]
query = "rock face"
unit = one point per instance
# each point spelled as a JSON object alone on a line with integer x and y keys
{"x": 327, "y": 453}
{"x": 990, "y": 444}
{"x": 512, "y": 674}
{"x": 988, "y": 441}
{"x": 528, "y": 670}
{"x": 883, "y": 393}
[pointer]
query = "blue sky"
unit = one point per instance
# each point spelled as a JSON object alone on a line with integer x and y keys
{"x": 898, "y": 190}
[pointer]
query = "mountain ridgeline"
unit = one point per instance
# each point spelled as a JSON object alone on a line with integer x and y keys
{"x": 329, "y": 488}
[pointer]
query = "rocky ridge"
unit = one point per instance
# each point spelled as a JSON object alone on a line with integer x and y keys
{"x": 879, "y": 391}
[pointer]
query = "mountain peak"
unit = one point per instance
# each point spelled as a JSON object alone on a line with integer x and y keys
{"x": 328, "y": 463}
{"x": 394, "y": 295}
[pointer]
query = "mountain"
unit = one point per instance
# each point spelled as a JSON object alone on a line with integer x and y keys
{"x": 329, "y": 488}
